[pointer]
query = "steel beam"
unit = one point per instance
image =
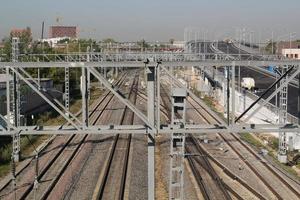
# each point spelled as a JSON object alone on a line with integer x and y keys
{"x": 140, "y": 129}
{"x": 137, "y": 64}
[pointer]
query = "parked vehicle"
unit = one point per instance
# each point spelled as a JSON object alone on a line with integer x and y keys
{"x": 248, "y": 83}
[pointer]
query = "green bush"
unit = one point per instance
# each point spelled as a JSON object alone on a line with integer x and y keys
{"x": 5, "y": 154}
{"x": 274, "y": 143}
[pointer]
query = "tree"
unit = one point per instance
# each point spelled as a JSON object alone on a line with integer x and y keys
{"x": 109, "y": 40}
{"x": 171, "y": 41}
{"x": 25, "y": 40}
{"x": 143, "y": 44}
{"x": 7, "y": 48}
{"x": 271, "y": 45}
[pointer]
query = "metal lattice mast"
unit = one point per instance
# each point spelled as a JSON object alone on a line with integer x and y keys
{"x": 67, "y": 88}
{"x": 177, "y": 147}
{"x": 282, "y": 153}
{"x": 16, "y": 100}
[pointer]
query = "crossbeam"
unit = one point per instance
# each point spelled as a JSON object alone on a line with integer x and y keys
{"x": 140, "y": 129}
{"x": 137, "y": 64}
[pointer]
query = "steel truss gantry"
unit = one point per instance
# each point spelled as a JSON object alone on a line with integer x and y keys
{"x": 152, "y": 124}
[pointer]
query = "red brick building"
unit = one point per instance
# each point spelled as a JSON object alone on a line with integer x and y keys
{"x": 63, "y": 31}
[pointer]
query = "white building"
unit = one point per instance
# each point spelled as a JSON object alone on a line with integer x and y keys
{"x": 291, "y": 53}
{"x": 53, "y": 41}
{"x": 179, "y": 44}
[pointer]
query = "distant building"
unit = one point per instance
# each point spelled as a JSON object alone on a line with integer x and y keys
{"x": 54, "y": 41}
{"x": 179, "y": 44}
{"x": 63, "y": 31}
{"x": 21, "y": 32}
{"x": 291, "y": 53}
{"x": 287, "y": 45}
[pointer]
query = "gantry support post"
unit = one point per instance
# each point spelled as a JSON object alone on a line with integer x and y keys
{"x": 67, "y": 88}
{"x": 151, "y": 136}
{"x": 177, "y": 145}
{"x": 8, "y": 114}
{"x": 228, "y": 94}
{"x": 233, "y": 93}
{"x": 283, "y": 101}
{"x": 158, "y": 96}
{"x": 88, "y": 59}
{"x": 16, "y": 101}
{"x": 84, "y": 93}
{"x": 39, "y": 78}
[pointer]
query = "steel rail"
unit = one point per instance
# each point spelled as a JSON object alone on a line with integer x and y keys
{"x": 48, "y": 166}
{"x": 103, "y": 179}
{"x": 256, "y": 156}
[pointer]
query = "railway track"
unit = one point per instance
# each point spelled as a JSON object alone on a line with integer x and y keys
{"x": 26, "y": 191}
{"x": 229, "y": 138}
{"x": 108, "y": 178}
{"x": 78, "y": 141}
{"x": 214, "y": 187}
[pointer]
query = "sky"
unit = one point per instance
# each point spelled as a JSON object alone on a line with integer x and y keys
{"x": 155, "y": 20}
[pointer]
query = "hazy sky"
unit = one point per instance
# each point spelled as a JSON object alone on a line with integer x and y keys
{"x": 131, "y": 20}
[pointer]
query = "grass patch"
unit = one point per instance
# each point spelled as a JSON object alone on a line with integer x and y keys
{"x": 274, "y": 143}
{"x": 286, "y": 168}
{"x": 4, "y": 169}
{"x": 251, "y": 140}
